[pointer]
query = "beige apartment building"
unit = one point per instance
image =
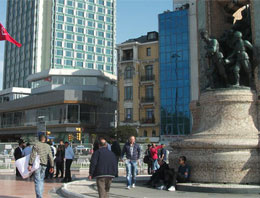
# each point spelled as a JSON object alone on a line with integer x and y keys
{"x": 138, "y": 85}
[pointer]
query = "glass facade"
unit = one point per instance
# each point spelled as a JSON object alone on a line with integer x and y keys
{"x": 174, "y": 73}
{"x": 53, "y": 115}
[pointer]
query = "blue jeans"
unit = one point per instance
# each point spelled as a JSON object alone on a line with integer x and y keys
{"x": 156, "y": 166}
{"x": 39, "y": 175}
{"x": 131, "y": 168}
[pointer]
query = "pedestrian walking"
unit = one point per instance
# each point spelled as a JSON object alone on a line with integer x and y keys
{"x": 133, "y": 152}
{"x": 163, "y": 153}
{"x": 18, "y": 153}
{"x": 59, "y": 161}
{"x": 44, "y": 151}
{"x": 154, "y": 154}
{"x": 103, "y": 166}
{"x": 115, "y": 148}
{"x": 69, "y": 155}
{"x": 28, "y": 149}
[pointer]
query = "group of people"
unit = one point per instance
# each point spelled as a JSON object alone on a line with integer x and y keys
{"x": 104, "y": 166}
{"x": 49, "y": 157}
{"x": 152, "y": 154}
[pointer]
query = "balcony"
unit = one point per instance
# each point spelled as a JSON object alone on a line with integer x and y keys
{"x": 147, "y": 78}
{"x": 127, "y": 58}
{"x": 148, "y": 121}
{"x": 147, "y": 100}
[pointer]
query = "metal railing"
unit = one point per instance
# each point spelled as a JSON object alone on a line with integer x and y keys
{"x": 147, "y": 77}
{"x": 147, "y": 99}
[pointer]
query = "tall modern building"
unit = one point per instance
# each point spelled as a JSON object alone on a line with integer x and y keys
{"x": 59, "y": 34}
{"x": 178, "y": 68}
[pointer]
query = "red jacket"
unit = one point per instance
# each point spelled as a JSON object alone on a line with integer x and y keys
{"x": 154, "y": 152}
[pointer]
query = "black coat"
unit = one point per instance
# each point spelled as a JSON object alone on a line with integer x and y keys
{"x": 103, "y": 162}
{"x": 18, "y": 153}
{"x": 115, "y": 148}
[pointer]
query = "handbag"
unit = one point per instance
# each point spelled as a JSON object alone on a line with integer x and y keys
{"x": 146, "y": 159}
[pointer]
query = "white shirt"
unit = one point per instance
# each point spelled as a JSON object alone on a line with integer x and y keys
{"x": 69, "y": 154}
{"x": 27, "y": 150}
{"x": 54, "y": 151}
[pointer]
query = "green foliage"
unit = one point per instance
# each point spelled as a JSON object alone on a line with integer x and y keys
{"x": 122, "y": 133}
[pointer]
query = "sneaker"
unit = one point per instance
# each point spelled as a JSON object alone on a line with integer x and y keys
{"x": 133, "y": 185}
{"x": 128, "y": 187}
{"x": 172, "y": 188}
{"x": 161, "y": 187}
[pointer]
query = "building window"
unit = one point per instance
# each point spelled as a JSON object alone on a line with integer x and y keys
{"x": 91, "y": 16}
{"x": 59, "y": 26}
{"x": 59, "y": 52}
{"x": 58, "y": 61}
{"x": 69, "y": 20}
{"x": 145, "y": 133}
{"x": 153, "y": 133}
{"x": 90, "y": 65}
{"x": 79, "y": 64}
{"x": 90, "y": 40}
{"x": 90, "y": 57}
{"x": 69, "y": 28}
{"x": 59, "y": 35}
{"x": 79, "y": 38}
{"x": 61, "y": 1}
{"x": 90, "y": 24}
{"x": 69, "y": 45}
{"x": 69, "y": 3}
{"x": 90, "y": 48}
{"x": 129, "y": 72}
{"x": 101, "y": 18}
{"x": 90, "y": 7}
{"x": 100, "y": 67}
{"x": 80, "y": 30}
{"x": 69, "y": 37}
{"x": 149, "y": 72}
{"x": 80, "y": 22}
{"x": 129, "y": 93}
{"x": 80, "y": 13}
{"x": 80, "y": 47}
{"x": 80, "y": 5}
{"x": 60, "y": 9}
{"x": 59, "y": 43}
{"x": 68, "y": 62}
{"x": 128, "y": 114}
{"x": 101, "y": 2}
{"x": 149, "y": 92}
{"x": 91, "y": 32}
{"x": 70, "y": 11}
{"x": 150, "y": 114}
{"x": 79, "y": 55}
{"x": 60, "y": 18}
{"x": 148, "y": 51}
{"x": 68, "y": 54}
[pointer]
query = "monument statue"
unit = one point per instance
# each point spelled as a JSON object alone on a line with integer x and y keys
{"x": 217, "y": 62}
{"x": 226, "y": 71}
{"x": 240, "y": 58}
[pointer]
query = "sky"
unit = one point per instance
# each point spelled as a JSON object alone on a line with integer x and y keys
{"x": 134, "y": 18}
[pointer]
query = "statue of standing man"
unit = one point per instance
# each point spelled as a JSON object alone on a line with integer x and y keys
{"x": 217, "y": 62}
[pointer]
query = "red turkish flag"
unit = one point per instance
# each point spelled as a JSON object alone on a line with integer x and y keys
{"x": 4, "y": 35}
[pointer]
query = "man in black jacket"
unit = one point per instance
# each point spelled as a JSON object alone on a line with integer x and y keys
{"x": 164, "y": 175}
{"x": 103, "y": 166}
{"x": 18, "y": 153}
{"x": 115, "y": 148}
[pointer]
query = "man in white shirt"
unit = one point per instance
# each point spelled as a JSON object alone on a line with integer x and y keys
{"x": 69, "y": 155}
{"x": 27, "y": 150}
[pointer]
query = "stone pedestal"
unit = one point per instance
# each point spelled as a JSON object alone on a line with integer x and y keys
{"x": 224, "y": 146}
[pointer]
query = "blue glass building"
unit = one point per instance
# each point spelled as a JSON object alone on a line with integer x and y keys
{"x": 174, "y": 73}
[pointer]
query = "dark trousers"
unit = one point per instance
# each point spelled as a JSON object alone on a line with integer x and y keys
{"x": 103, "y": 184}
{"x": 67, "y": 169}
{"x": 181, "y": 178}
{"x": 167, "y": 177}
{"x": 59, "y": 168}
{"x": 149, "y": 169}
